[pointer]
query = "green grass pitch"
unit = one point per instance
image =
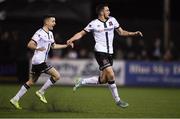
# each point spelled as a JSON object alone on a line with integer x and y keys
{"x": 95, "y": 102}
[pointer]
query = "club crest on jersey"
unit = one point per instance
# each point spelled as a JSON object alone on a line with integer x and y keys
{"x": 110, "y": 23}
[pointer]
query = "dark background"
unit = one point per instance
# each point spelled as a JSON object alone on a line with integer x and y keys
{"x": 19, "y": 19}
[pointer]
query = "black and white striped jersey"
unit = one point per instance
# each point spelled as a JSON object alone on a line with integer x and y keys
{"x": 42, "y": 39}
{"x": 103, "y": 33}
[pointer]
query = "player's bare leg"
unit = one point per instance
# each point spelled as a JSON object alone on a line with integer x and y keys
{"x": 54, "y": 77}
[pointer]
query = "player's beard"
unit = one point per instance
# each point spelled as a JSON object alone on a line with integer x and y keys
{"x": 106, "y": 16}
{"x": 51, "y": 28}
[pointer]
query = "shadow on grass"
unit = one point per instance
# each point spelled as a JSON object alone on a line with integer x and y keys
{"x": 54, "y": 107}
{"x": 51, "y": 107}
{"x": 35, "y": 107}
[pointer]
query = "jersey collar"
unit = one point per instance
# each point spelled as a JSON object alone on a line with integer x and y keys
{"x": 103, "y": 21}
{"x": 45, "y": 31}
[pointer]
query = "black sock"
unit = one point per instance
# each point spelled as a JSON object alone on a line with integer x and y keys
{"x": 26, "y": 86}
{"x": 52, "y": 80}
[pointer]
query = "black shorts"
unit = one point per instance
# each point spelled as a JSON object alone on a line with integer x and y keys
{"x": 40, "y": 68}
{"x": 104, "y": 60}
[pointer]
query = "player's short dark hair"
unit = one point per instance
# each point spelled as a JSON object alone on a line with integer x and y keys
{"x": 47, "y": 16}
{"x": 100, "y": 7}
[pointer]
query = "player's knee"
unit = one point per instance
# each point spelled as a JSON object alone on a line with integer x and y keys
{"x": 110, "y": 76}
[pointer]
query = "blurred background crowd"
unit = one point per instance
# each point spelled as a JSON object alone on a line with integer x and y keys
{"x": 19, "y": 19}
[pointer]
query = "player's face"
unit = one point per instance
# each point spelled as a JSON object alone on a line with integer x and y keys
{"x": 106, "y": 12}
{"x": 51, "y": 22}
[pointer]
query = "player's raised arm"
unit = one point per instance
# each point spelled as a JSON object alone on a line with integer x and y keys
{"x": 77, "y": 36}
{"x": 122, "y": 32}
{"x": 33, "y": 46}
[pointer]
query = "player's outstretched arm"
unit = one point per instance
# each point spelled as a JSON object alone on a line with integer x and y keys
{"x": 122, "y": 32}
{"x": 77, "y": 36}
{"x": 33, "y": 46}
{"x": 61, "y": 46}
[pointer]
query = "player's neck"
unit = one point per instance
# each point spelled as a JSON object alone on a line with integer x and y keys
{"x": 102, "y": 18}
{"x": 45, "y": 29}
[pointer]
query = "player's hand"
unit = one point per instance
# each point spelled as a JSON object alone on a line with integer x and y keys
{"x": 69, "y": 42}
{"x": 138, "y": 33}
{"x": 41, "y": 49}
{"x": 70, "y": 45}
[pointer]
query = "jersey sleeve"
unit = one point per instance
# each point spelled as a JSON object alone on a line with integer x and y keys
{"x": 116, "y": 24}
{"x": 89, "y": 27}
{"x": 36, "y": 37}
